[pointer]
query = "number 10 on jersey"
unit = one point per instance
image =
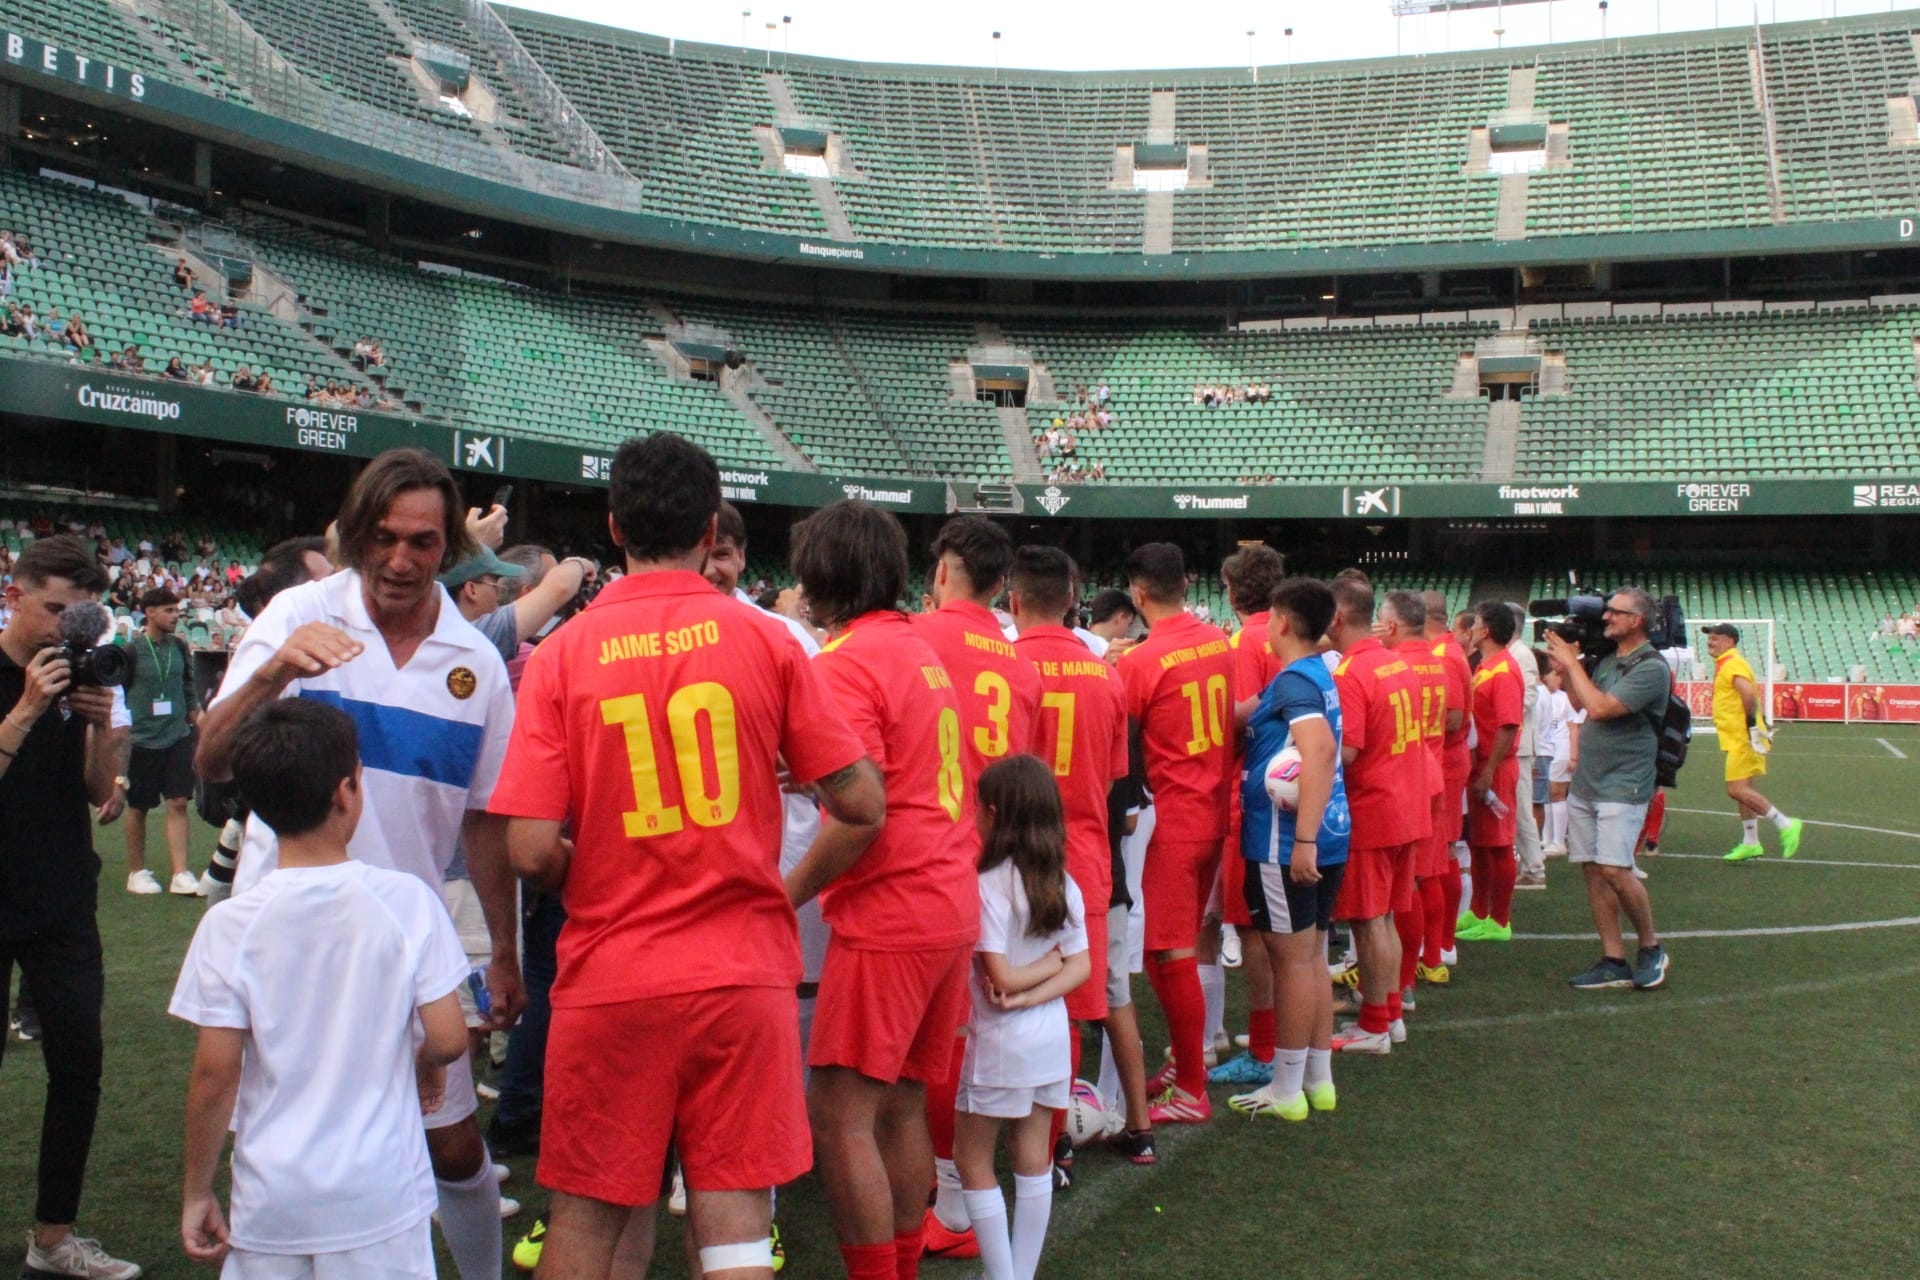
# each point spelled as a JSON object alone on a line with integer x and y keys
{"x": 709, "y": 801}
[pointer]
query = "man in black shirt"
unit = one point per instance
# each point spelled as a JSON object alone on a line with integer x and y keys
{"x": 57, "y": 756}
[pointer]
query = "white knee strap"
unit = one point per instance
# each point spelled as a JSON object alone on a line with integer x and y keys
{"x": 738, "y": 1257}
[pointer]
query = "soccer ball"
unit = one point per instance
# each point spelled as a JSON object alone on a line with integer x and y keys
{"x": 1086, "y": 1118}
{"x": 1283, "y": 778}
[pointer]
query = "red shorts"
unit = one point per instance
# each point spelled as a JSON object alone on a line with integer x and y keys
{"x": 1177, "y": 881}
{"x": 1378, "y": 880}
{"x": 890, "y": 1015}
{"x": 1487, "y": 829}
{"x": 1233, "y": 880}
{"x": 1436, "y": 851}
{"x": 716, "y": 1073}
{"x": 1088, "y": 1001}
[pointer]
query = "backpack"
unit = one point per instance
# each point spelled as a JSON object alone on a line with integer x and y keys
{"x": 1673, "y": 727}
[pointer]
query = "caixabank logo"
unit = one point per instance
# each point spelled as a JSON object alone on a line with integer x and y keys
{"x": 1359, "y": 500}
{"x": 1886, "y": 495}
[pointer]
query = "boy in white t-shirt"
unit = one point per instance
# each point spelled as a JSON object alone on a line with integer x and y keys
{"x": 1561, "y": 744}
{"x": 312, "y": 991}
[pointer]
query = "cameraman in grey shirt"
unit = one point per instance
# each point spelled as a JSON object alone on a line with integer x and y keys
{"x": 1625, "y": 700}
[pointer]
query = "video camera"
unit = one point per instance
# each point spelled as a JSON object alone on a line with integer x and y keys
{"x": 1578, "y": 620}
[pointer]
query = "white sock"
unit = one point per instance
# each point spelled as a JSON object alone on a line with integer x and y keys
{"x": 1290, "y": 1071}
{"x": 470, "y": 1221}
{"x": 1319, "y": 1066}
{"x": 1113, "y": 1096}
{"x": 1779, "y": 820}
{"x": 1750, "y": 831}
{"x": 1557, "y": 823}
{"x": 1032, "y": 1208}
{"x": 949, "y": 1201}
{"x": 988, "y": 1209}
{"x": 1213, "y": 986}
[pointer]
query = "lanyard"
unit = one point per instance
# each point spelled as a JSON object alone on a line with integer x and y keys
{"x": 164, "y": 668}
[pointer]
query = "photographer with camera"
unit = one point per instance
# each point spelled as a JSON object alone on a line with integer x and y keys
{"x": 57, "y": 756}
{"x": 1625, "y": 700}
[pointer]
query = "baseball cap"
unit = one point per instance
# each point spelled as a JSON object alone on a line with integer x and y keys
{"x": 1726, "y": 629}
{"x": 482, "y": 564}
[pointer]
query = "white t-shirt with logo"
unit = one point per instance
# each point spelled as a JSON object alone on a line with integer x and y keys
{"x": 432, "y": 733}
{"x": 324, "y": 968}
{"x": 1019, "y": 1048}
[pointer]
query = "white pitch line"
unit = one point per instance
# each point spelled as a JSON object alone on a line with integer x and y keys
{"x": 1812, "y": 822}
{"x": 1772, "y": 931}
{"x": 1631, "y": 1003}
{"x": 1795, "y": 862}
{"x": 1892, "y": 750}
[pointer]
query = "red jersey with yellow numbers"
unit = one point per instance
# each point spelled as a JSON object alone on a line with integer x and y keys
{"x": 1432, "y": 674}
{"x": 652, "y": 722}
{"x": 999, "y": 691}
{"x": 1082, "y": 736}
{"x": 1499, "y": 701}
{"x": 1455, "y": 756}
{"x": 1380, "y": 718}
{"x": 916, "y": 886}
{"x": 1178, "y": 683}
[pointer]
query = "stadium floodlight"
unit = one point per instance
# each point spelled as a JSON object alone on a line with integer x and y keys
{"x": 1418, "y": 8}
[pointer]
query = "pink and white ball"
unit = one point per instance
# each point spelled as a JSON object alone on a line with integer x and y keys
{"x": 1283, "y": 779}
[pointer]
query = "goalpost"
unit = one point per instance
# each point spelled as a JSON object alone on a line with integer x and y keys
{"x": 1756, "y": 642}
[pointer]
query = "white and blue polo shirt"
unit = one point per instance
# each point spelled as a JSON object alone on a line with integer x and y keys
{"x": 432, "y": 733}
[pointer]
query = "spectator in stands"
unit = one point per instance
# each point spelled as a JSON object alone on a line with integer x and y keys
{"x": 1907, "y": 628}
{"x": 124, "y": 591}
{"x": 29, "y": 327}
{"x": 56, "y": 326}
{"x": 234, "y": 573}
{"x": 229, "y": 314}
{"x": 243, "y": 379}
{"x": 375, "y": 356}
{"x": 203, "y": 372}
{"x": 314, "y": 391}
{"x": 263, "y": 385}
{"x": 76, "y": 335}
{"x": 117, "y": 553}
{"x": 11, "y": 327}
{"x": 363, "y": 399}
{"x": 200, "y": 310}
{"x": 6, "y": 280}
{"x": 183, "y": 274}
{"x": 175, "y": 370}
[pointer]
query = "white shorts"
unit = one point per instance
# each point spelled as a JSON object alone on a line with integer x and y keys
{"x": 460, "y": 1099}
{"x": 1561, "y": 770}
{"x": 470, "y": 924}
{"x": 406, "y": 1256}
{"x": 1133, "y": 855}
{"x": 1119, "y": 981}
{"x": 1010, "y": 1103}
{"x": 1603, "y": 831}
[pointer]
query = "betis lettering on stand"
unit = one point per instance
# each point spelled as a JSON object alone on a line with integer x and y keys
{"x": 77, "y": 67}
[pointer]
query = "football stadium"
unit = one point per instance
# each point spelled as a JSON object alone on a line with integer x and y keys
{"x": 1564, "y": 326}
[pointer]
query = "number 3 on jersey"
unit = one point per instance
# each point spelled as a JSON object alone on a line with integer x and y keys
{"x": 690, "y": 705}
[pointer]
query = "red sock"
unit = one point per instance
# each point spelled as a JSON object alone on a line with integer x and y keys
{"x": 1394, "y": 1010}
{"x": 871, "y": 1261}
{"x": 1503, "y": 867}
{"x": 1482, "y": 884}
{"x": 1433, "y": 907}
{"x": 1656, "y": 818}
{"x": 1262, "y": 1030}
{"x": 940, "y": 1102}
{"x": 1177, "y": 984}
{"x": 1374, "y": 1018}
{"x": 907, "y": 1248}
{"x": 1450, "y": 889}
{"x": 1410, "y": 925}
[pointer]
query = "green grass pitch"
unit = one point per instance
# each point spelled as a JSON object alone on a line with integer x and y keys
{"x": 1750, "y": 1120}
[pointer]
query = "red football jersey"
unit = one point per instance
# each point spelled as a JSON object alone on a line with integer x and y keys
{"x": 1432, "y": 674}
{"x": 652, "y": 723}
{"x": 916, "y": 886}
{"x": 1254, "y": 665}
{"x": 1082, "y": 736}
{"x": 998, "y": 689}
{"x": 1178, "y": 682}
{"x": 1499, "y": 700}
{"x": 1455, "y": 755}
{"x": 1380, "y": 718}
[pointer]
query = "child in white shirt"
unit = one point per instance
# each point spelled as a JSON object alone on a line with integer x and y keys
{"x": 325, "y": 998}
{"x": 1032, "y": 951}
{"x": 1561, "y": 744}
